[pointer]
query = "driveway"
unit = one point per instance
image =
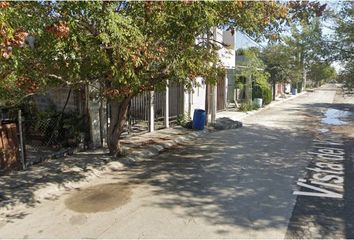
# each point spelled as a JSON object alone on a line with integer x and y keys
{"x": 230, "y": 184}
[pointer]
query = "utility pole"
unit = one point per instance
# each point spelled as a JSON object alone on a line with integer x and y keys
{"x": 207, "y": 85}
{"x": 151, "y": 111}
{"x": 167, "y": 108}
{"x": 213, "y": 91}
{"x": 213, "y": 96}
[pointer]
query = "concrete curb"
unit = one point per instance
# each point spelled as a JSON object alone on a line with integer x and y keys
{"x": 156, "y": 149}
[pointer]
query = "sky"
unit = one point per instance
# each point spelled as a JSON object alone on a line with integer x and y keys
{"x": 243, "y": 41}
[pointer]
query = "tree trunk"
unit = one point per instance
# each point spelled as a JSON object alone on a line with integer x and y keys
{"x": 119, "y": 114}
{"x": 274, "y": 89}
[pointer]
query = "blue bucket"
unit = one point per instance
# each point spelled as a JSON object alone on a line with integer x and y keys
{"x": 199, "y": 119}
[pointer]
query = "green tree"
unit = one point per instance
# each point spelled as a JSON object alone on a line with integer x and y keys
{"x": 253, "y": 69}
{"x": 346, "y": 76}
{"x": 279, "y": 63}
{"x": 306, "y": 43}
{"x": 320, "y": 73}
{"x": 342, "y": 44}
{"x": 118, "y": 48}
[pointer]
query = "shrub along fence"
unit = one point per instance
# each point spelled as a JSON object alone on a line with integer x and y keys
{"x": 50, "y": 135}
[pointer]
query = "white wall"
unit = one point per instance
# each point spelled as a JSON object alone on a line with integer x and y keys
{"x": 197, "y": 97}
{"x": 226, "y": 55}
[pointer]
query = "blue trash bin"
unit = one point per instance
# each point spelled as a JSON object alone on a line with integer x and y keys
{"x": 199, "y": 119}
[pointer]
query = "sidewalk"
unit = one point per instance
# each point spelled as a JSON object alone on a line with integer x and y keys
{"x": 238, "y": 116}
{"x": 46, "y": 180}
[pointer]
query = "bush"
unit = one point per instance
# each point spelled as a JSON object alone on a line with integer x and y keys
{"x": 183, "y": 120}
{"x": 262, "y": 90}
{"x": 267, "y": 95}
{"x": 255, "y": 106}
{"x": 247, "y": 106}
{"x": 257, "y": 91}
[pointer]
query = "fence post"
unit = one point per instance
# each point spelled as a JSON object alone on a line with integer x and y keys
{"x": 22, "y": 145}
{"x": 151, "y": 112}
{"x": 213, "y": 103}
{"x": 167, "y": 109}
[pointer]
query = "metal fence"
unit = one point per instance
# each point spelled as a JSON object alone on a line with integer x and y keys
{"x": 41, "y": 135}
{"x": 176, "y": 101}
{"x": 138, "y": 116}
{"x": 52, "y": 136}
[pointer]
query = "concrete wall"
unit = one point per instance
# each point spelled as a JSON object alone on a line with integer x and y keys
{"x": 226, "y": 55}
{"x": 56, "y": 98}
{"x": 196, "y": 97}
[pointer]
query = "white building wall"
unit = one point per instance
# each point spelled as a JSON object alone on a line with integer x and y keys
{"x": 196, "y": 97}
{"x": 227, "y": 57}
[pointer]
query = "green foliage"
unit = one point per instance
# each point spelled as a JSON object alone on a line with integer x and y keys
{"x": 343, "y": 42}
{"x": 254, "y": 106}
{"x": 246, "y": 106}
{"x": 257, "y": 91}
{"x": 288, "y": 61}
{"x": 252, "y": 64}
{"x": 73, "y": 127}
{"x": 183, "y": 119}
{"x": 121, "y": 48}
{"x": 126, "y": 47}
{"x": 320, "y": 73}
{"x": 282, "y": 64}
{"x": 261, "y": 89}
{"x": 347, "y": 76}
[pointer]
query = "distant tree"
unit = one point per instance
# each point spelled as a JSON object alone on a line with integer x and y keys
{"x": 321, "y": 73}
{"x": 307, "y": 45}
{"x": 343, "y": 43}
{"x": 282, "y": 64}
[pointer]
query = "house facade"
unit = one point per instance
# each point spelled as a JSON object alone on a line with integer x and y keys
{"x": 198, "y": 97}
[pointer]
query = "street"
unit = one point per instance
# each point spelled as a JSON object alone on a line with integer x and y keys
{"x": 240, "y": 183}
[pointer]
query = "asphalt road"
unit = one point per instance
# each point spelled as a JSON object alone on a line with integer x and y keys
{"x": 230, "y": 184}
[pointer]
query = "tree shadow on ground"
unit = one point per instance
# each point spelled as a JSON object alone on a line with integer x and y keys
{"x": 19, "y": 187}
{"x": 237, "y": 177}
